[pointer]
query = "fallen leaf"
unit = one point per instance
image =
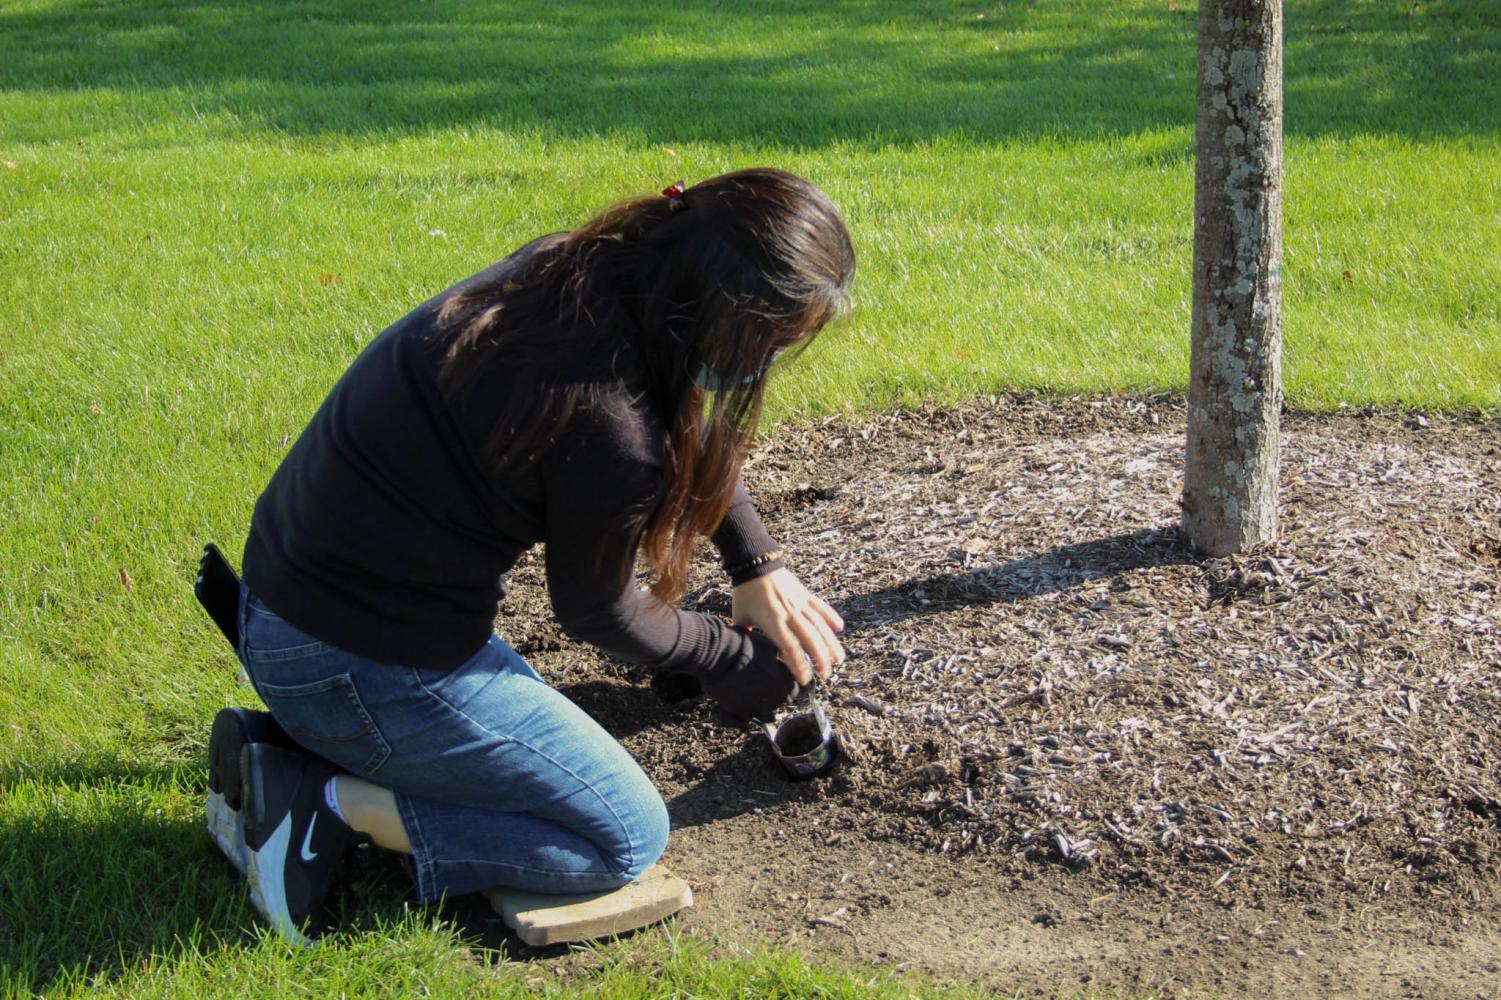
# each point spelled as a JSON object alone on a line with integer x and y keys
{"x": 10, "y": 164}
{"x": 961, "y": 354}
{"x": 1350, "y": 278}
{"x": 327, "y": 279}
{"x": 94, "y": 409}
{"x": 126, "y": 580}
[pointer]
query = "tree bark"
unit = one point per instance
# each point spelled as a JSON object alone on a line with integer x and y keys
{"x": 1235, "y": 384}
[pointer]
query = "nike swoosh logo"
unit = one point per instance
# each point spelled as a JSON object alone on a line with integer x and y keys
{"x": 308, "y": 854}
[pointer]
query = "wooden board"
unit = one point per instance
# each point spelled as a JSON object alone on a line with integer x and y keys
{"x": 543, "y": 919}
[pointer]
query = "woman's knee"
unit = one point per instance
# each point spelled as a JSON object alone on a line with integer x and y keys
{"x": 650, "y": 827}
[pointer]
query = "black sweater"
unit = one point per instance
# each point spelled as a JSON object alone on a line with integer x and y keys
{"x": 383, "y": 533}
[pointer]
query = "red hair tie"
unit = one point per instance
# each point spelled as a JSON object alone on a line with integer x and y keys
{"x": 674, "y": 195}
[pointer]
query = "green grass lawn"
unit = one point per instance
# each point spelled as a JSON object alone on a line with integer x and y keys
{"x": 207, "y": 208}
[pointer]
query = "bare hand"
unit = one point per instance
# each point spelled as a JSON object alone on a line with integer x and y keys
{"x": 802, "y": 626}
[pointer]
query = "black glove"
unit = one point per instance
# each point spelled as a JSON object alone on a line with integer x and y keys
{"x": 673, "y": 687}
{"x": 755, "y": 684}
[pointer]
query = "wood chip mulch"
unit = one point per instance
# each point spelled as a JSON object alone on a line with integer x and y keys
{"x": 1042, "y": 673}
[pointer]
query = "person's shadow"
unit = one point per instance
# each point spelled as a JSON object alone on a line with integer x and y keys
{"x": 101, "y": 872}
{"x": 624, "y": 707}
{"x": 745, "y": 778}
{"x": 97, "y": 874}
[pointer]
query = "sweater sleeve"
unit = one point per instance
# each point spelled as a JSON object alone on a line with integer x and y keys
{"x": 596, "y": 484}
{"x": 746, "y": 548}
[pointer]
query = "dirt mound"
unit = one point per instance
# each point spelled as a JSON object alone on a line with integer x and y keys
{"x": 1065, "y": 731}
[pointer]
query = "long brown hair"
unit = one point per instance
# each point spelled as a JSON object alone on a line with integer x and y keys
{"x": 714, "y": 280}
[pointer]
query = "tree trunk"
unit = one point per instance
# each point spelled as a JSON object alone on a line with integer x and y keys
{"x": 1235, "y": 383}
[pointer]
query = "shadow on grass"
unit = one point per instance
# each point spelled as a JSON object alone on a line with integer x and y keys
{"x": 96, "y": 875}
{"x": 789, "y": 72}
{"x": 101, "y": 873}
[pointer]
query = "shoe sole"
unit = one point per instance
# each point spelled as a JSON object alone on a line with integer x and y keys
{"x": 233, "y": 728}
{"x": 226, "y": 827}
{"x": 265, "y": 867}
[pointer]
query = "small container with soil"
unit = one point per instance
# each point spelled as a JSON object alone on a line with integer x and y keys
{"x": 804, "y": 743}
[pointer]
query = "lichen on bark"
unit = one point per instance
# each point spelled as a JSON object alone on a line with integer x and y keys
{"x": 1235, "y": 387}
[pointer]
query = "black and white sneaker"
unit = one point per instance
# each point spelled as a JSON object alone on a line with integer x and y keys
{"x": 296, "y": 845}
{"x": 233, "y": 728}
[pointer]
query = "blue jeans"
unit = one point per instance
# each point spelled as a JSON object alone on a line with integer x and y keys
{"x": 500, "y": 780}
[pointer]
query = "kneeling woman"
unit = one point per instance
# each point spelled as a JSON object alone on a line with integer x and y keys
{"x": 595, "y": 392}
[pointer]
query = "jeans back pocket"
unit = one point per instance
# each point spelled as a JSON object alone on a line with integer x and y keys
{"x": 328, "y": 718}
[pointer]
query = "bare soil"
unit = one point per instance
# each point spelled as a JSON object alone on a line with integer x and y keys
{"x": 1080, "y": 757}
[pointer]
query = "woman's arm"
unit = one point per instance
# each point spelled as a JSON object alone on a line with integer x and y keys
{"x": 594, "y": 484}
{"x": 768, "y": 597}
